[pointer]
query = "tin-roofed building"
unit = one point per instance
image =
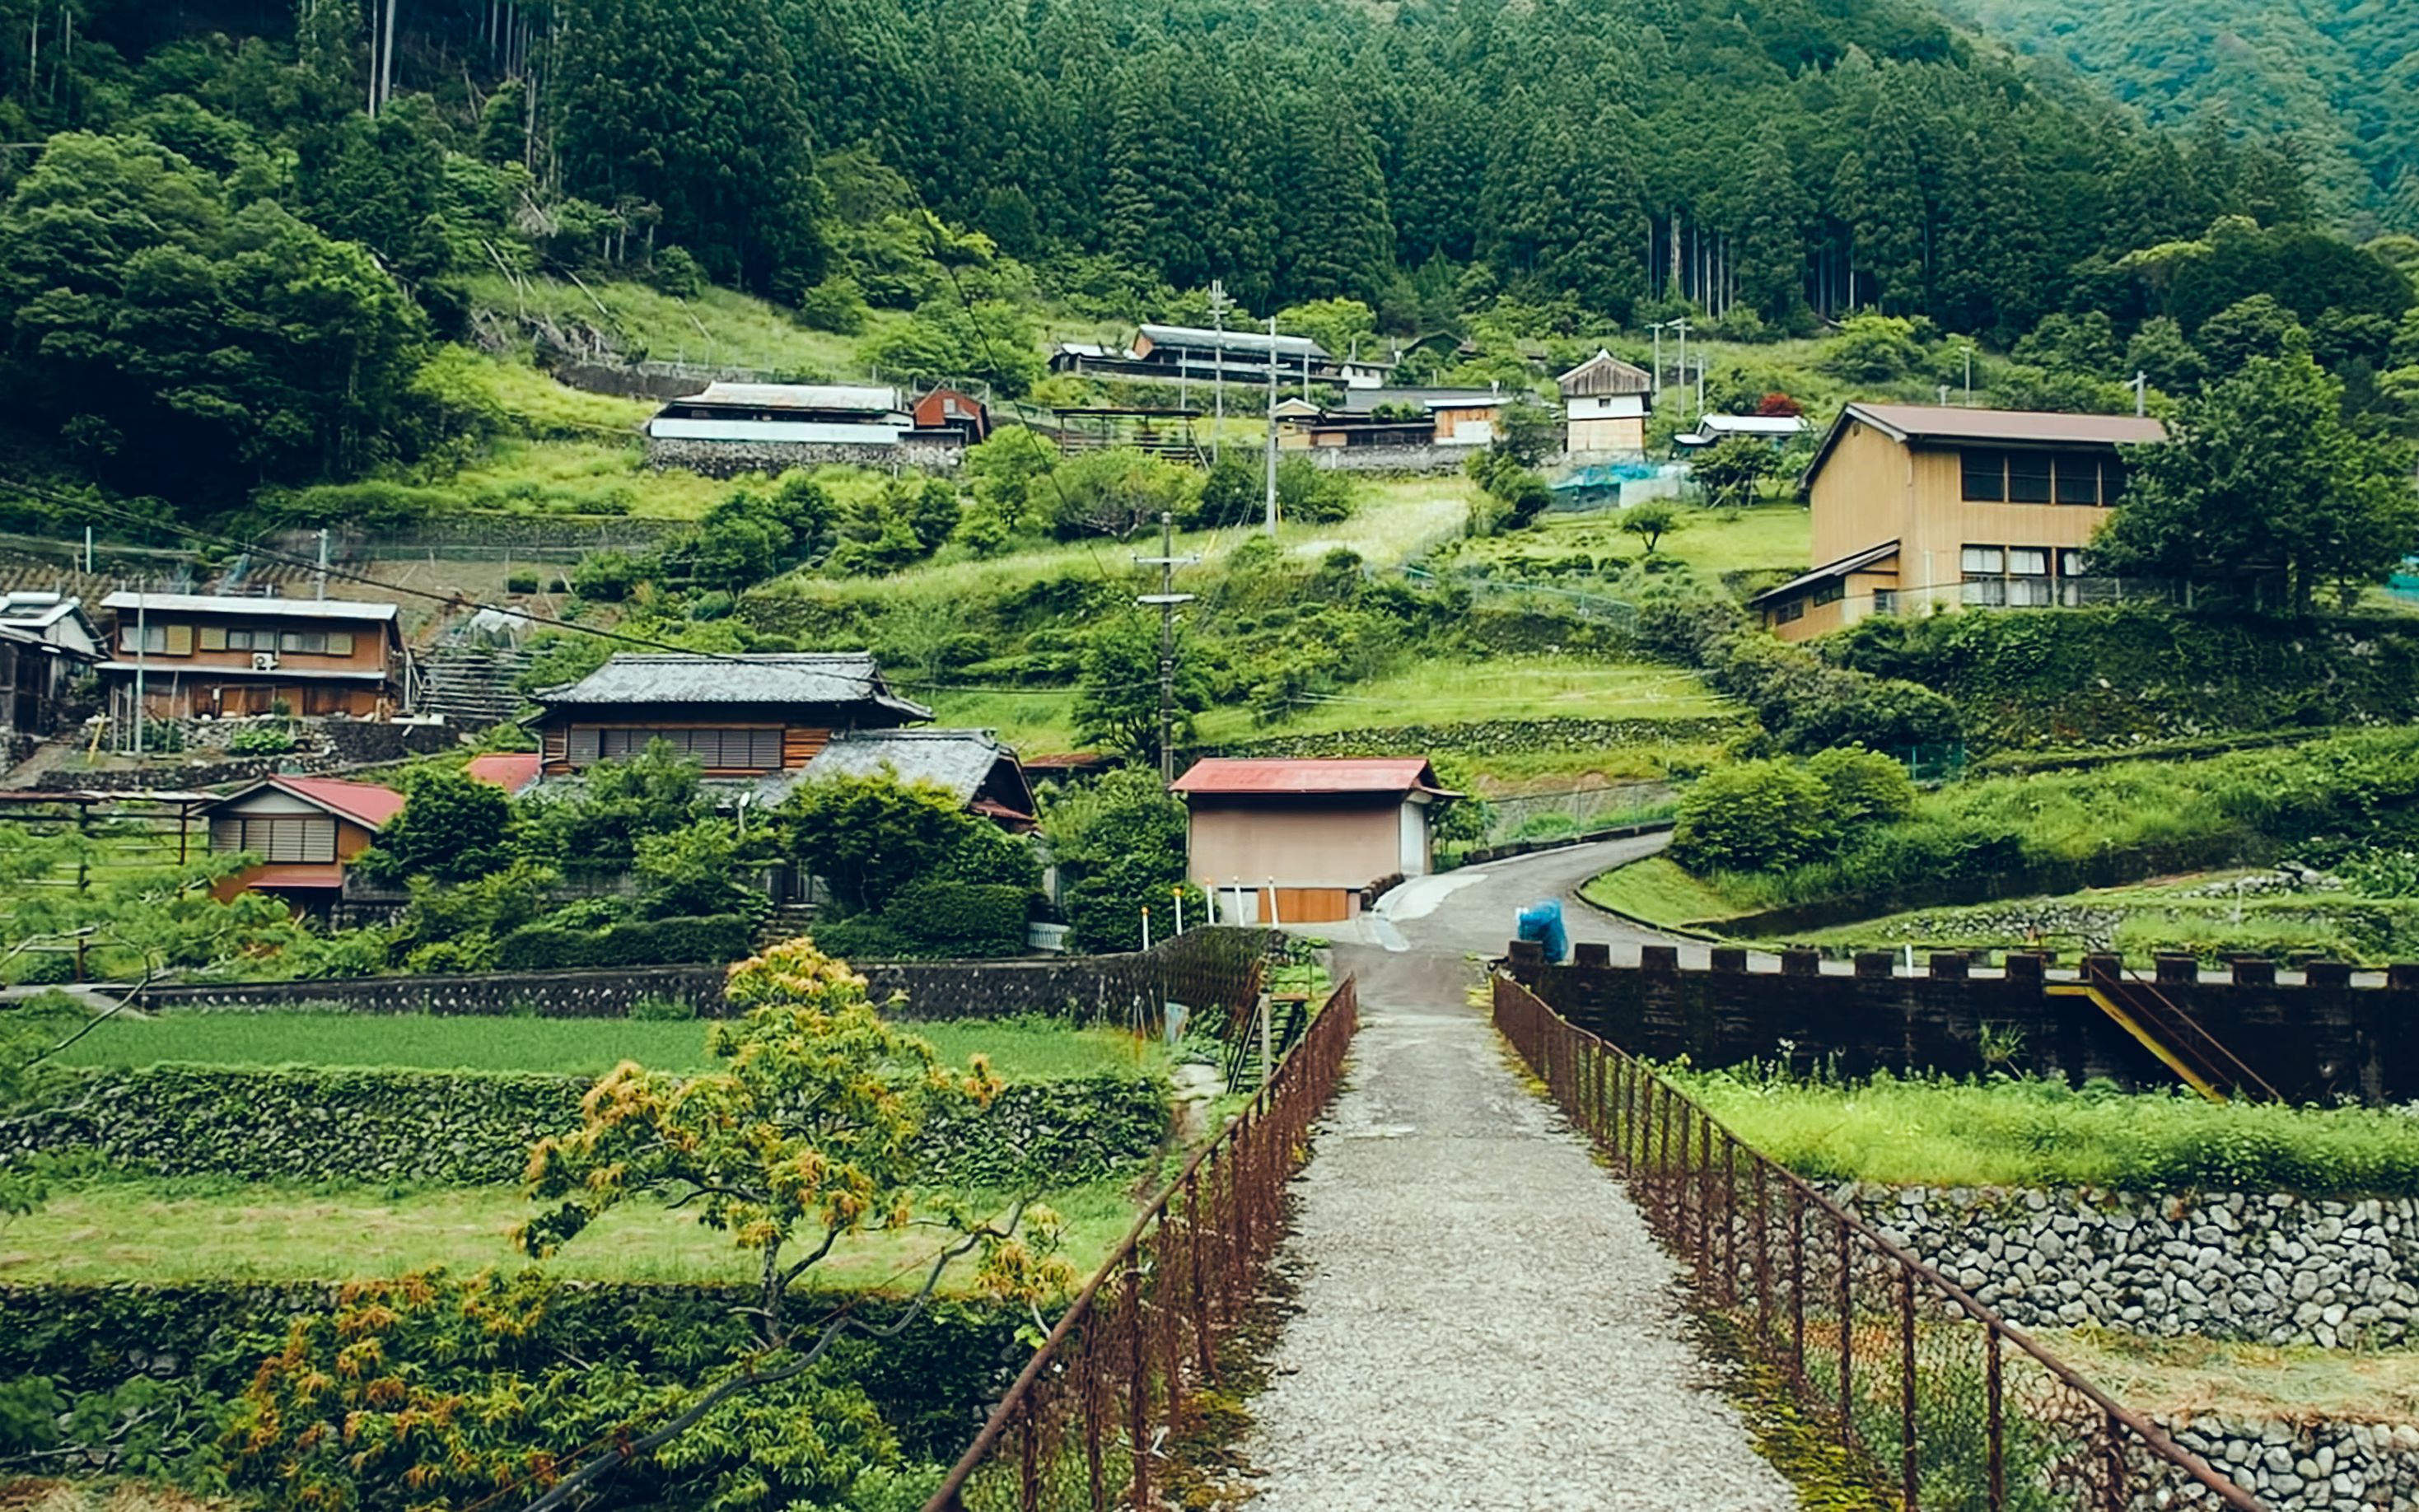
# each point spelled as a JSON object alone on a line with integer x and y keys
{"x": 800, "y": 414}
{"x": 1605, "y": 404}
{"x": 1308, "y": 835}
{"x": 305, "y": 832}
{"x": 737, "y": 715}
{"x": 195, "y": 654}
{"x": 1191, "y": 354}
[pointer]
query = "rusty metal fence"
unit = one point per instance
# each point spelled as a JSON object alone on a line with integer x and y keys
{"x": 1937, "y": 1401}
{"x": 1089, "y": 1421}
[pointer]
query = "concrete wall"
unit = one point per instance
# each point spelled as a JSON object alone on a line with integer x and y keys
{"x": 2314, "y": 1042}
{"x": 729, "y": 459}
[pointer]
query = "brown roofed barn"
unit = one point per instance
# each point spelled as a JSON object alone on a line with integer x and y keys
{"x": 1308, "y": 835}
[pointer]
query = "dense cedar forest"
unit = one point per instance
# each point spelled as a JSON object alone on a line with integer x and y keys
{"x": 235, "y": 229}
{"x": 2338, "y": 80}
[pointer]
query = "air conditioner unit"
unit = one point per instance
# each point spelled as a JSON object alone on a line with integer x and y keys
{"x": 264, "y": 661}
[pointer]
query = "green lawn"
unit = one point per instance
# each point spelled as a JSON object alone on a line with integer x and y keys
{"x": 1467, "y": 689}
{"x": 1456, "y": 691}
{"x": 1659, "y": 892}
{"x": 1020, "y": 1050}
{"x": 594, "y": 476}
{"x": 164, "y": 1233}
{"x": 719, "y": 328}
{"x": 1710, "y": 542}
{"x": 2020, "y": 1132}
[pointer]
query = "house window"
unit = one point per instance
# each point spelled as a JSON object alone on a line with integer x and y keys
{"x": 2072, "y": 564}
{"x": 2027, "y": 577}
{"x": 319, "y": 698}
{"x": 745, "y": 750}
{"x": 1789, "y": 612}
{"x": 284, "y": 838}
{"x": 2013, "y": 576}
{"x": 155, "y": 640}
{"x": 1885, "y": 600}
{"x": 312, "y": 643}
{"x": 2112, "y": 481}
{"x": 1829, "y": 591}
{"x": 1986, "y": 476}
{"x": 1988, "y": 560}
{"x": 2029, "y": 477}
{"x": 2078, "y": 478}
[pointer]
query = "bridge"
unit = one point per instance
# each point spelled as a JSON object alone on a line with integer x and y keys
{"x": 1541, "y": 1281}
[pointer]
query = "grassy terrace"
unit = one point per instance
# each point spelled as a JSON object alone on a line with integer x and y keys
{"x": 166, "y": 1231}
{"x": 2025, "y": 1133}
{"x": 1019, "y": 1051}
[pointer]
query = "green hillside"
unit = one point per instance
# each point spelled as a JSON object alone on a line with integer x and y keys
{"x": 2338, "y": 79}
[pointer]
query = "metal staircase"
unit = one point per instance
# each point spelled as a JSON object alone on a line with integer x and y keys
{"x": 2136, "y": 1005}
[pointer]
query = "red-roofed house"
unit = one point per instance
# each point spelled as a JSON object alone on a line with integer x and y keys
{"x": 513, "y": 771}
{"x": 304, "y": 829}
{"x": 1313, "y": 832}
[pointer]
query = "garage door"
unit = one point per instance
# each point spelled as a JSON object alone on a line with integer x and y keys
{"x": 1313, "y": 905}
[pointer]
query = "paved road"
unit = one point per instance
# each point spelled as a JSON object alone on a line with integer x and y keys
{"x": 1484, "y": 1321}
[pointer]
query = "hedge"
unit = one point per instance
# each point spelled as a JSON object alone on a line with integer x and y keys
{"x": 458, "y": 1128}
{"x": 930, "y": 1381}
{"x": 648, "y": 943}
{"x": 1485, "y": 737}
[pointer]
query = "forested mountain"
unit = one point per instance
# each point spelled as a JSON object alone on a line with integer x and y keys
{"x": 176, "y": 167}
{"x": 2338, "y": 79}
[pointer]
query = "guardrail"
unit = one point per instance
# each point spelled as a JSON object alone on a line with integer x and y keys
{"x": 1093, "y": 1411}
{"x": 1935, "y": 1400}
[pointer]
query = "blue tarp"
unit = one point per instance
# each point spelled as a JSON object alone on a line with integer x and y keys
{"x": 1542, "y": 922}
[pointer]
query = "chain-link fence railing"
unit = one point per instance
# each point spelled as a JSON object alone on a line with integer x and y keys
{"x": 1088, "y": 1422}
{"x": 1934, "y": 1399}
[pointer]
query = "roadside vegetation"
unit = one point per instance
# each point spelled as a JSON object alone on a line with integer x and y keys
{"x": 2009, "y": 1131}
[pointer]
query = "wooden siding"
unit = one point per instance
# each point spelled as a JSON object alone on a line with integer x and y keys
{"x": 572, "y": 744}
{"x": 800, "y": 744}
{"x": 1862, "y": 496}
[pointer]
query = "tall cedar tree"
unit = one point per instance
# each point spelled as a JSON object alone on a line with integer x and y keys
{"x": 1339, "y": 242}
{"x": 694, "y": 107}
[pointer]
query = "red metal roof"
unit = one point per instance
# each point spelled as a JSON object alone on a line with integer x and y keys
{"x": 511, "y": 770}
{"x": 1378, "y": 774}
{"x": 363, "y": 803}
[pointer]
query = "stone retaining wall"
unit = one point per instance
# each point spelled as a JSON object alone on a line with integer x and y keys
{"x": 2309, "y": 1467}
{"x": 2267, "y": 1269}
{"x": 1199, "y": 966}
{"x": 1389, "y": 458}
{"x": 729, "y": 459}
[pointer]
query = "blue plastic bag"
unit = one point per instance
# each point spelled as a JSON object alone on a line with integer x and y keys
{"x": 1542, "y": 922}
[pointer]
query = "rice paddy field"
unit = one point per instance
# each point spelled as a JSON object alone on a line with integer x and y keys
{"x": 1020, "y": 1050}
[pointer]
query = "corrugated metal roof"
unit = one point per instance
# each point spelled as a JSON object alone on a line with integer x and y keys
{"x": 297, "y": 608}
{"x": 511, "y": 770}
{"x": 1361, "y": 401}
{"x": 1841, "y": 568}
{"x": 1241, "y": 341}
{"x": 1924, "y": 421}
{"x": 856, "y": 398}
{"x": 1606, "y": 374}
{"x": 367, "y": 804}
{"x": 959, "y": 761}
{"x": 758, "y": 677}
{"x": 1753, "y": 425}
{"x": 1382, "y": 774}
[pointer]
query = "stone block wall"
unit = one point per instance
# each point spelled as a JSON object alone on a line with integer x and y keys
{"x": 1390, "y": 458}
{"x": 1199, "y": 966}
{"x": 730, "y": 459}
{"x": 2257, "y": 1268}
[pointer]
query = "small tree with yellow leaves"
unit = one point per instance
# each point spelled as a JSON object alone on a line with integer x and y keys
{"x": 802, "y": 1136}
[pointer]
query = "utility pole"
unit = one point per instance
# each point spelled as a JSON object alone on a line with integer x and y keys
{"x": 1681, "y": 325}
{"x": 322, "y": 574}
{"x": 1272, "y": 428}
{"x": 1970, "y": 374}
{"x": 1166, "y": 599}
{"x": 1219, "y": 304}
{"x": 1656, "y": 327}
{"x": 142, "y": 633}
{"x": 2141, "y": 387}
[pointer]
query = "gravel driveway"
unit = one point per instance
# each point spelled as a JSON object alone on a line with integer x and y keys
{"x": 1484, "y": 1319}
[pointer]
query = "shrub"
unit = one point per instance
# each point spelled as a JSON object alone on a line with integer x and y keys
{"x": 260, "y": 740}
{"x": 1751, "y": 817}
{"x": 864, "y": 939}
{"x": 968, "y": 919}
{"x": 658, "y": 942}
{"x": 657, "y": 1009}
{"x": 1863, "y": 787}
{"x": 520, "y": 582}
{"x": 606, "y": 576}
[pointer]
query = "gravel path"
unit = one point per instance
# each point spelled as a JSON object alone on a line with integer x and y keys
{"x": 1484, "y": 1321}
